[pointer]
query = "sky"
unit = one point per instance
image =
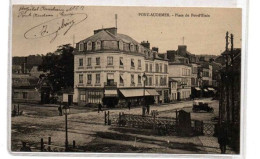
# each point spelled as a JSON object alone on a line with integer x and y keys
{"x": 202, "y": 35}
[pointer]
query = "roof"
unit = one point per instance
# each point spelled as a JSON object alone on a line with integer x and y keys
{"x": 106, "y": 35}
{"x": 24, "y": 81}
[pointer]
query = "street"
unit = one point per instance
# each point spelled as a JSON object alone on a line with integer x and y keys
{"x": 86, "y": 126}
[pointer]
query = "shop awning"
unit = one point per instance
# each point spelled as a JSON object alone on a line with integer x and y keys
{"x": 197, "y": 88}
{"x": 110, "y": 93}
{"x": 211, "y": 89}
{"x": 153, "y": 92}
{"x": 134, "y": 92}
{"x": 205, "y": 90}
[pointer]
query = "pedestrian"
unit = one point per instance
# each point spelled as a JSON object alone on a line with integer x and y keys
{"x": 99, "y": 107}
{"x": 223, "y": 137}
{"x": 25, "y": 148}
{"x": 60, "y": 110}
{"x": 129, "y": 105}
{"x": 148, "y": 108}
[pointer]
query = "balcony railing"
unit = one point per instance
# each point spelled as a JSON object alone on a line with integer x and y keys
{"x": 110, "y": 84}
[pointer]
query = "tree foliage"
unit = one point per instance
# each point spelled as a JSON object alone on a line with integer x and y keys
{"x": 58, "y": 67}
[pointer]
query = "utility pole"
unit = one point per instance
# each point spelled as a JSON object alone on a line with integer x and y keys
{"x": 183, "y": 40}
{"x": 227, "y": 79}
{"x": 232, "y": 78}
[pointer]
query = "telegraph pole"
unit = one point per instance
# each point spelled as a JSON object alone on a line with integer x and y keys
{"x": 232, "y": 77}
{"x": 227, "y": 79}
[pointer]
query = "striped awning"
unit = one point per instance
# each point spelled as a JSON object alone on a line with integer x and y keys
{"x": 134, "y": 92}
{"x": 110, "y": 93}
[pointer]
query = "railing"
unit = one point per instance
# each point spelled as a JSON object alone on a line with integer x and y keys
{"x": 110, "y": 84}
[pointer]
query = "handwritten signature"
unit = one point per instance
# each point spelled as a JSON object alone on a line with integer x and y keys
{"x": 55, "y": 27}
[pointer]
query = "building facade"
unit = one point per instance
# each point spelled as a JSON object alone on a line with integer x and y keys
{"x": 109, "y": 68}
{"x": 181, "y": 72}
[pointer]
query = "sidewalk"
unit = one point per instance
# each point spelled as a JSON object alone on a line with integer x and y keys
{"x": 211, "y": 145}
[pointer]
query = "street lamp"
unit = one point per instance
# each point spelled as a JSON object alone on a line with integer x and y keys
{"x": 66, "y": 111}
{"x": 144, "y": 80}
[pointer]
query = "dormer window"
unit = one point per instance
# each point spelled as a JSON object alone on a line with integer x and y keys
{"x": 81, "y": 47}
{"x": 121, "y": 45}
{"x": 89, "y": 45}
{"x": 132, "y": 47}
{"x": 98, "y": 45}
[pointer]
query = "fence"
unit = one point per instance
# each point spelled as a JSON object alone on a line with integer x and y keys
{"x": 48, "y": 147}
{"x": 164, "y": 125}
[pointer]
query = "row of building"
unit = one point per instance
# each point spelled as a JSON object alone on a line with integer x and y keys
{"x": 114, "y": 69}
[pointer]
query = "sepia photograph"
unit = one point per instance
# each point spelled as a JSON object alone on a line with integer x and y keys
{"x": 120, "y": 79}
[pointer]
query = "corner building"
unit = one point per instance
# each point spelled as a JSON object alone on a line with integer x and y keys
{"x": 109, "y": 68}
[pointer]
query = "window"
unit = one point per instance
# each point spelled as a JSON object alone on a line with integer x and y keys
{"x": 121, "y": 45}
{"x": 121, "y": 79}
{"x": 132, "y": 49}
{"x": 151, "y": 67}
{"x": 98, "y": 61}
{"x": 89, "y": 45}
{"x": 81, "y": 47}
{"x": 156, "y": 80}
{"x": 165, "y": 68}
{"x": 98, "y": 45}
{"x": 80, "y": 78}
{"x": 97, "y": 78}
{"x": 139, "y": 64}
{"x": 132, "y": 79}
{"x": 132, "y": 63}
{"x": 146, "y": 67}
{"x": 109, "y": 60}
{"x": 80, "y": 62}
{"x": 150, "y": 81}
{"x": 121, "y": 63}
{"x": 25, "y": 95}
{"x": 160, "y": 67}
{"x": 157, "y": 67}
{"x": 89, "y": 79}
{"x": 89, "y": 61}
{"x": 82, "y": 97}
{"x": 139, "y": 79}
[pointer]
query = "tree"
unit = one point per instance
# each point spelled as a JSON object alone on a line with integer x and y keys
{"x": 58, "y": 67}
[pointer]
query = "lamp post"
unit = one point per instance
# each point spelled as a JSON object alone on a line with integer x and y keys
{"x": 144, "y": 80}
{"x": 66, "y": 110}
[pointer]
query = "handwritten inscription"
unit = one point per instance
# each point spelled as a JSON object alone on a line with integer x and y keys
{"x": 55, "y": 27}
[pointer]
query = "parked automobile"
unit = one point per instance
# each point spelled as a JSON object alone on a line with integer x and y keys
{"x": 200, "y": 105}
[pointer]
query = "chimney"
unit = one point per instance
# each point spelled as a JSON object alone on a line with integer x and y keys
{"x": 24, "y": 65}
{"x": 145, "y": 44}
{"x": 112, "y": 30}
{"x": 156, "y": 49}
{"x": 171, "y": 55}
{"x": 182, "y": 49}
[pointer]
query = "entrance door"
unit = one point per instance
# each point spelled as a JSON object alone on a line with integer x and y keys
{"x": 179, "y": 96}
{"x": 70, "y": 99}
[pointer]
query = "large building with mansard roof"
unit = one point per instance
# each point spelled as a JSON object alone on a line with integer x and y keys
{"x": 109, "y": 69}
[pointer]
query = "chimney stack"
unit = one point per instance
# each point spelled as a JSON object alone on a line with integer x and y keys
{"x": 145, "y": 44}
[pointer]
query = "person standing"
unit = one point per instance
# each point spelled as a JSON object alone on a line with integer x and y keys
{"x": 129, "y": 105}
{"x": 148, "y": 108}
{"x": 99, "y": 107}
{"x": 60, "y": 110}
{"x": 25, "y": 148}
{"x": 223, "y": 137}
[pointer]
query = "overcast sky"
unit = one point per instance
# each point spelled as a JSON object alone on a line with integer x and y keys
{"x": 202, "y": 35}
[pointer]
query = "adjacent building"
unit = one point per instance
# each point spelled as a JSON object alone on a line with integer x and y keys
{"x": 109, "y": 68}
{"x": 24, "y": 89}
